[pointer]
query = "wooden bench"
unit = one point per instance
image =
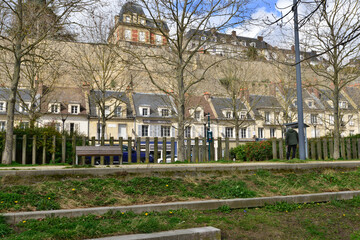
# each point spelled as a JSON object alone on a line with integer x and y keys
{"x": 97, "y": 151}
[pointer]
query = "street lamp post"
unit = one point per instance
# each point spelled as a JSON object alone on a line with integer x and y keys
{"x": 209, "y": 136}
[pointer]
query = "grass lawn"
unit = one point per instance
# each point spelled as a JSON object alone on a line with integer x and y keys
{"x": 66, "y": 192}
{"x": 331, "y": 220}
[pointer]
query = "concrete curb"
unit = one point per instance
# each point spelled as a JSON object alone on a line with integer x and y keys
{"x": 154, "y": 168}
{"x": 14, "y": 218}
{"x": 209, "y": 233}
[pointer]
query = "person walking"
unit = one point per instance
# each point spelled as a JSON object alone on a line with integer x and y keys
{"x": 291, "y": 142}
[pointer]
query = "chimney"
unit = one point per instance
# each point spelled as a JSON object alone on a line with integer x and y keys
{"x": 207, "y": 95}
{"x": 233, "y": 33}
{"x": 293, "y": 48}
{"x": 260, "y": 38}
{"x": 117, "y": 19}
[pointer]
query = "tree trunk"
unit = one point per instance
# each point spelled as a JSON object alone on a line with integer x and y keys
{"x": 336, "y": 123}
{"x": 7, "y": 156}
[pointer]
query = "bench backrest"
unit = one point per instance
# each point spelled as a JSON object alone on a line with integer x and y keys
{"x": 98, "y": 151}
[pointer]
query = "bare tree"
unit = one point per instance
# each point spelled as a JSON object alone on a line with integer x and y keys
{"x": 101, "y": 66}
{"x": 172, "y": 66}
{"x": 23, "y": 26}
{"x": 334, "y": 30}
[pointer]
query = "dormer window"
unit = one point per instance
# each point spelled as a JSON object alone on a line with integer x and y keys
{"x": 54, "y": 108}
{"x": 165, "y": 112}
{"x": 74, "y": 108}
{"x": 310, "y": 104}
{"x": 228, "y": 114}
{"x": 142, "y": 21}
{"x": 252, "y": 44}
{"x": 2, "y": 106}
{"x": 144, "y": 111}
{"x": 24, "y": 107}
{"x": 343, "y": 104}
{"x": 117, "y": 112}
{"x": 242, "y": 115}
{"x": 243, "y": 43}
{"x": 197, "y": 115}
{"x": 127, "y": 19}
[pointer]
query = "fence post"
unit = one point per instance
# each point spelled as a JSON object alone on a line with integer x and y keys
{"x": 74, "y": 150}
{"x": 92, "y": 157}
{"x": 121, "y": 150}
{"x": 204, "y": 152}
{"x": 102, "y": 143}
{"x": 156, "y": 149}
{"x": 319, "y": 152}
{"x": 172, "y": 149}
{"x": 138, "y": 149}
{"x": 24, "y": 149}
{"x": 129, "y": 149}
{"x": 331, "y": 148}
{"x": 14, "y": 148}
{"x": 164, "y": 150}
{"x": 63, "y": 149}
{"x": 34, "y": 151}
{"x": 354, "y": 149}
{"x": 348, "y": 148}
{"x": 219, "y": 149}
{"x": 54, "y": 149}
{"x": 212, "y": 150}
{"x": 196, "y": 150}
{"x": 83, "y": 157}
{"x": 342, "y": 142}
{"x": 325, "y": 148}
{"x": 227, "y": 153}
{"x": 147, "y": 154}
{"x": 274, "y": 149}
{"x": 111, "y": 144}
{"x": 358, "y": 143}
{"x": 44, "y": 151}
{"x": 281, "y": 149}
{"x": 188, "y": 143}
{"x": 313, "y": 152}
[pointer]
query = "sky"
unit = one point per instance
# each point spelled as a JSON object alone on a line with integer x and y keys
{"x": 263, "y": 11}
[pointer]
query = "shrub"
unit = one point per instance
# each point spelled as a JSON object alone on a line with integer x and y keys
{"x": 258, "y": 151}
{"x": 238, "y": 153}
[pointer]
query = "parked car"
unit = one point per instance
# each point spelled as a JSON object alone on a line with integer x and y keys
{"x": 168, "y": 159}
{"x": 124, "y": 157}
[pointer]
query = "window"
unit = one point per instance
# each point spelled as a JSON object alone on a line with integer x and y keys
{"x": 117, "y": 112}
{"x": 142, "y": 21}
{"x": 158, "y": 39}
{"x": 24, "y": 107}
{"x": 127, "y": 34}
{"x": 127, "y": 19}
{"x": 55, "y": 108}
{"x": 58, "y": 127}
{"x": 2, "y": 125}
{"x": 351, "y": 120}
{"x": 197, "y": 115}
{"x": 144, "y": 130}
{"x": 267, "y": 117}
{"x": 228, "y": 115}
{"x": 242, "y": 115}
{"x": 260, "y": 132}
{"x": 272, "y": 132}
{"x": 310, "y": 104}
{"x": 313, "y": 118}
{"x": 142, "y": 36}
{"x": 229, "y": 132}
{"x": 253, "y": 44}
{"x": 165, "y": 131}
{"x": 74, "y": 109}
{"x": 72, "y": 128}
{"x": 24, "y": 125}
{"x": 165, "y": 112}
{"x": 343, "y": 104}
{"x": 187, "y": 132}
{"x": 145, "y": 112}
{"x": 2, "y": 106}
{"x": 331, "y": 119}
{"x": 243, "y": 133}
{"x": 107, "y": 111}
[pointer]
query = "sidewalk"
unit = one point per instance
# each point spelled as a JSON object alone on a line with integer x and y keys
{"x": 149, "y": 168}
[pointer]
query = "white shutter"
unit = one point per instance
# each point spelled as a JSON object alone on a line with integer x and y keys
{"x": 139, "y": 131}
{"x": 157, "y": 131}
{"x": 152, "y": 130}
{"x": 193, "y": 132}
{"x": 320, "y": 118}
{"x": 248, "y": 132}
{"x": 223, "y": 132}
{"x": 172, "y": 131}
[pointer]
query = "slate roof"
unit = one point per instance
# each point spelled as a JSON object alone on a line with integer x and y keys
{"x": 65, "y": 96}
{"x": 221, "y": 103}
{"x": 134, "y": 8}
{"x": 354, "y": 94}
{"x": 291, "y": 96}
{"x": 154, "y": 101}
{"x": 122, "y": 96}
{"x": 5, "y": 95}
{"x": 229, "y": 38}
{"x": 198, "y": 101}
{"x": 326, "y": 95}
{"x": 263, "y": 102}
